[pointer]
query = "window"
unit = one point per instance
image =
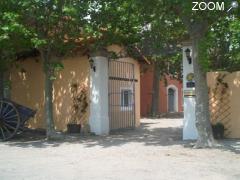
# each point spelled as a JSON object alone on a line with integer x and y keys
{"x": 126, "y": 99}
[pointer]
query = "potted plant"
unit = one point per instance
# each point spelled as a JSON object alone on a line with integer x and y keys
{"x": 79, "y": 108}
{"x": 218, "y": 130}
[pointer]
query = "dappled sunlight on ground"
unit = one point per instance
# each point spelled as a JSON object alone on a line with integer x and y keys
{"x": 153, "y": 151}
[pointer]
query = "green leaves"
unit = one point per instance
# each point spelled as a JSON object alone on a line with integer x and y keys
{"x": 220, "y": 48}
{"x": 38, "y": 43}
{"x": 55, "y": 67}
{"x": 154, "y": 25}
{"x": 14, "y": 36}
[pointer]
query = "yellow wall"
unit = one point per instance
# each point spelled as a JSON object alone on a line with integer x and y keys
{"x": 28, "y": 89}
{"x": 233, "y": 81}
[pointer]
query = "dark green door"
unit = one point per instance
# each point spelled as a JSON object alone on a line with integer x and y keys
{"x": 171, "y": 100}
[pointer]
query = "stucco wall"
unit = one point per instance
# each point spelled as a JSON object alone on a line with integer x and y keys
{"x": 233, "y": 81}
{"x": 147, "y": 91}
{"x": 164, "y": 95}
{"x": 28, "y": 89}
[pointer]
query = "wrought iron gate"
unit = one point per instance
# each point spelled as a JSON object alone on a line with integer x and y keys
{"x": 121, "y": 89}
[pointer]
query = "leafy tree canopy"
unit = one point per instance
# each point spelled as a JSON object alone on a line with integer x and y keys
{"x": 220, "y": 49}
{"x": 14, "y": 36}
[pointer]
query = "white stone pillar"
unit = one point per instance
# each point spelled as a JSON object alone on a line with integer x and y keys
{"x": 99, "y": 120}
{"x": 189, "y": 127}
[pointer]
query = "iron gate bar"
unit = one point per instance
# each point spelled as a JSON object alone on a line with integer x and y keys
{"x": 121, "y": 77}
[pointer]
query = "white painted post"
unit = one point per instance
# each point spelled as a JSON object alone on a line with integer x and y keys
{"x": 189, "y": 127}
{"x": 99, "y": 120}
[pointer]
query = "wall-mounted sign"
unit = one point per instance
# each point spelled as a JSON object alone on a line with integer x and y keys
{"x": 190, "y": 80}
{"x": 190, "y": 77}
{"x": 190, "y": 84}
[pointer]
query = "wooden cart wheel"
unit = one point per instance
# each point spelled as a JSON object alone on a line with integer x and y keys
{"x": 9, "y": 120}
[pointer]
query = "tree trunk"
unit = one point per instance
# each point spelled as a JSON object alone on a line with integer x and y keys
{"x": 1, "y": 84}
{"x": 48, "y": 96}
{"x": 205, "y": 136}
{"x": 155, "y": 91}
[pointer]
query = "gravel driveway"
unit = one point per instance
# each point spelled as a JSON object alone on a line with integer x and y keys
{"x": 153, "y": 151}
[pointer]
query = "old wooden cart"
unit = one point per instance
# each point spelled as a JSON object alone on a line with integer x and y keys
{"x": 12, "y": 118}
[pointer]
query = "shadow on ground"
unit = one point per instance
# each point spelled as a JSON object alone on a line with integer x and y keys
{"x": 145, "y": 134}
{"x": 231, "y": 145}
{"x": 149, "y": 137}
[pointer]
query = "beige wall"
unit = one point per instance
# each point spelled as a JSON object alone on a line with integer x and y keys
{"x": 233, "y": 100}
{"x": 28, "y": 89}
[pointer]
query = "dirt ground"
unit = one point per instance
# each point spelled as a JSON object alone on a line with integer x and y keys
{"x": 152, "y": 152}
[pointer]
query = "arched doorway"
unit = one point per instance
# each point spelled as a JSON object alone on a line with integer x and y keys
{"x": 172, "y": 98}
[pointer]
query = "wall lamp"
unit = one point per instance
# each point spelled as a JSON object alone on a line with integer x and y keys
{"x": 189, "y": 58}
{"x": 92, "y": 64}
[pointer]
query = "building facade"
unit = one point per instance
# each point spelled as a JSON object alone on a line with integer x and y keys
{"x": 112, "y": 94}
{"x": 170, "y": 94}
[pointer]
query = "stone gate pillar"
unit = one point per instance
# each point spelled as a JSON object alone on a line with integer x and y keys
{"x": 99, "y": 120}
{"x": 189, "y": 127}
